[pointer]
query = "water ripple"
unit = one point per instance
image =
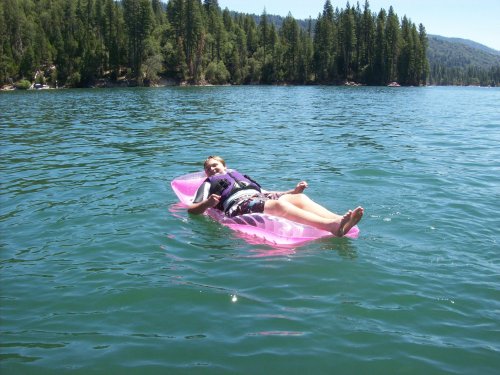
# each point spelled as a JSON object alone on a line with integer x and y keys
{"x": 97, "y": 258}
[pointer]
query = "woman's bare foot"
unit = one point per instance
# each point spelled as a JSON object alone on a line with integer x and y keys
{"x": 349, "y": 220}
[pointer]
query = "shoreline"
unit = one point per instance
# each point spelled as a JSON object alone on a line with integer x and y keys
{"x": 172, "y": 83}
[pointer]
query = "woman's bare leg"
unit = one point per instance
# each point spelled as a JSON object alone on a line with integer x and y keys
{"x": 283, "y": 208}
{"x": 338, "y": 225}
{"x": 306, "y": 203}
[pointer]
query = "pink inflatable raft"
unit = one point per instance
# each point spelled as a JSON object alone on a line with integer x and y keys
{"x": 267, "y": 228}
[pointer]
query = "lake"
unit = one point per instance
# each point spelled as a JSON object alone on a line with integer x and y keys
{"x": 103, "y": 272}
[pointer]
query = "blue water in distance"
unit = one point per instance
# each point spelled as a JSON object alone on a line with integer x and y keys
{"x": 103, "y": 272}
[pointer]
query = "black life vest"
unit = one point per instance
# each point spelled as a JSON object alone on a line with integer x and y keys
{"x": 229, "y": 183}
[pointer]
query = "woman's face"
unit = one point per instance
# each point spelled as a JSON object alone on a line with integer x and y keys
{"x": 213, "y": 167}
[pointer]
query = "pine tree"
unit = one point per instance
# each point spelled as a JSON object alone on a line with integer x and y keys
{"x": 392, "y": 46}
{"x": 306, "y": 55}
{"x": 367, "y": 51}
{"x": 291, "y": 48}
{"x": 405, "y": 57}
{"x": 379, "y": 64}
{"x": 347, "y": 42}
{"x": 238, "y": 59}
{"x": 264, "y": 31}
{"x": 216, "y": 37}
{"x": 422, "y": 62}
{"x": 6, "y": 61}
{"x": 158, "y": 13}
{"x": 138, "y": 20}
{"x": 325, "y": 45}
{"x": 194, "y": 42}
{"x": 265, "y": 49}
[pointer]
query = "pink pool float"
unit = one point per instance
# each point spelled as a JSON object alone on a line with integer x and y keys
{"x": 266, "y": 228}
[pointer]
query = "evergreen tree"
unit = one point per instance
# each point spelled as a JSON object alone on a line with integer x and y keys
{"x": 159, "y": 15}
{"x": 406, "y": 57}
{"x": 367, "y": 43}
{"x": 194, "y": 42}
{"x": 112, "y": 35}
{"x": 238, "y": 58}
{"x": 306, "y": 55}
{"x": 266, "y": 49}
{"x": 264, "y": 34}
{"x": 138, "y": 21}
{"x": 7, "y": 63}
{"x": 325, "y": 45}
{"x": 250, "y": 28}
{"x": 379, "y": 64}
{"x": 290, "y": 39}
{"x": 155, "y": 46}
{"x": 347, "y": 42}
{"x": 422, "y": 62}
{"x": 68, "y": 54}
{"x": 228, "y": 21}
{"x": 216, "y": 38}
{"x": 392, "y": 46}
{"x": 176, "y": 57}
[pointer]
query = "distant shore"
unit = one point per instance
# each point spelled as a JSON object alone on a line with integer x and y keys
{"x": 101, "y": 83}
{"x": 124, "y": 83}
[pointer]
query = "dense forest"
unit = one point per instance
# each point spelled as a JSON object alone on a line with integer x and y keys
{"x": 82, "y": 43}
{"x": 455, "y": 61}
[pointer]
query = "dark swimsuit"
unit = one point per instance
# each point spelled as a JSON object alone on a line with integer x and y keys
{"x": 253, "y": 204}
{"x": 247, "y": 204}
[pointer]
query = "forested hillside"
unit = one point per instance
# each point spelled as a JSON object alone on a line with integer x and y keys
{"x": 456, "y": 61}
{"x": 87, "y": 42}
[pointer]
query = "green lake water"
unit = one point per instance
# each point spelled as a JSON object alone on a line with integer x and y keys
{"x": 102, "y": 272}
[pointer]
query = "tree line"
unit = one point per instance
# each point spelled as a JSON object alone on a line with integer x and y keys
{"x": 77, "y": 43}
{"x": 462, "y": 62}
{"x": 442, "y": 75}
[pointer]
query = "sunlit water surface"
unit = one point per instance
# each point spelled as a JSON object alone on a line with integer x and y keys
{"x": 103, "y": 272}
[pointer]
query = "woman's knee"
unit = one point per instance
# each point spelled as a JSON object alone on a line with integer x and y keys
{"x": 275, "y": 207}
{"x": 299, "y": 200}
